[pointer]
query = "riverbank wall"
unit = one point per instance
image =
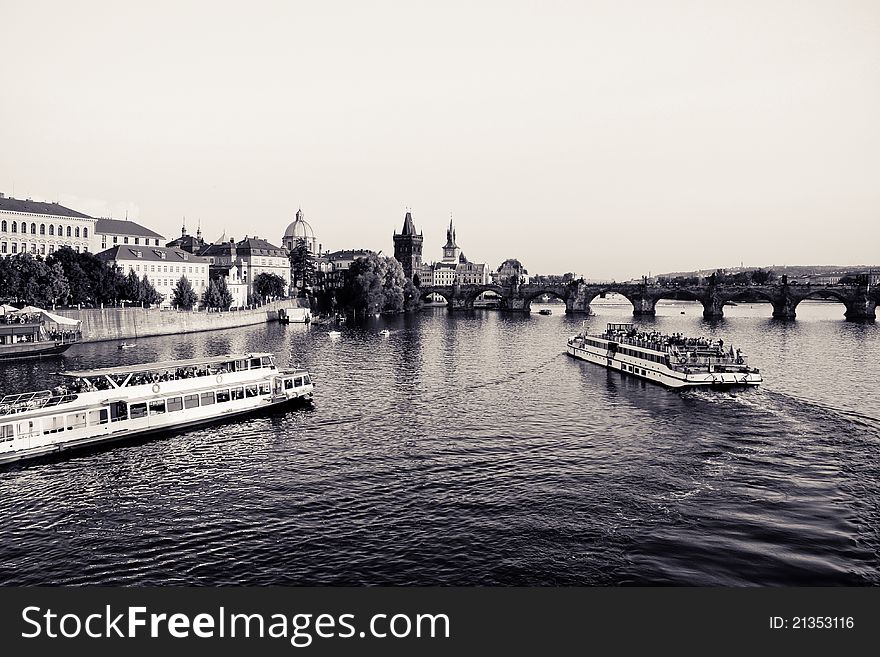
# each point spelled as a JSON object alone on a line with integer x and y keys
{"x": 131, "y": 323}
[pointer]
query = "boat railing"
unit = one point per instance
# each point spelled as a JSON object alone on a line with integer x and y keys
{"x": 684, "y": 360}
{"x": 29, "y": 401}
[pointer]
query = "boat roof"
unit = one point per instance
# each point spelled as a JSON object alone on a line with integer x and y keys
{"x": 161, "y": 365}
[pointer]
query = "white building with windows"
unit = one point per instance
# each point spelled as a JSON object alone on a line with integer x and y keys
{"x": 40, "y": 228}
{"x": 111, "y": 232}
{"x": 252, "y": 256}
{"x": 162, "y": 266}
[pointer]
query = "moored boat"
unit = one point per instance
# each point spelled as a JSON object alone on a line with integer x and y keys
{"x": 35, "y": 333}
{"x": 672, "y": 360}
{"x": 103, "y": 405}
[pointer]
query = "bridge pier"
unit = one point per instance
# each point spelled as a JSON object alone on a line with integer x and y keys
{"x": 784, "y": 308}
{"x": 861, "y": 309}
{"x": 644, "y": 306}
{"x": 713, "y": 308}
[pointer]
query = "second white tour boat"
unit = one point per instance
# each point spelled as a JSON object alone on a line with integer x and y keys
{"x": 104, "y": 405}
{"x": 673, "y": 360}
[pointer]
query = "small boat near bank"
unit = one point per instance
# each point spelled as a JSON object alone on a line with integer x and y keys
{"x": 672, "y": 360}
{"x": 126, "y": 345}
{"x": 110, "y": 404}
{"x": 545, "y": 311}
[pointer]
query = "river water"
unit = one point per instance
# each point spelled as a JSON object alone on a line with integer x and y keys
{"x": 467, "y": 448}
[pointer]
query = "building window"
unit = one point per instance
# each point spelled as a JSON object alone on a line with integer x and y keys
{"x": 51, "y": 248}
{"x": 33, "y": 229}
{"x": 3, "y": 247}
{"x": 51, "y": 229}
{"x": 77, "y": 249}
{"x": 157, "y": 242}
{"x": 14, "y": 227}
{"x": 15, "y": 247}
{"x": 115, "y": 239}
{"x": 125, "y": 239}
{"x": 42, "y": 249}
{"x": 42, "y": 229}
{"x": 85, "y": 232}
{"x": 137, "y": 240}
{"x": 68, "y": 231}
{"x": 3, "y": 226}
{"x": 76, "y": 231}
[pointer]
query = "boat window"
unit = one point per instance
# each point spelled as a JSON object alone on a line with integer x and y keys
{"x": 222, "y": 396}
{"x": 255, "y": 363}
{"x": 238, "y": 393}
{"x": 288, "y": 384}
{"x": 53, "y": 424}
{"x": 240, "y": 365}
{"x": 26, "y": 429}
{"x": 265, "y": 389}
{"x": 175, "y": 404}
{"x": 307, "y": 379}
{"x": 138, "y": 410}
{"x": 251, "y": 391}
{"x": 266, "y": 361}
{"x": 191, "y": 401}
{"x": 298, "y": 381}
{"x": 207, "y": 398}
{"x": 157, "y": 407}
{"x": 76, "y": 421}
{"x": 118, "y": 411}
{"x": 98, "y": 416}
{"x": 6, "y": 432}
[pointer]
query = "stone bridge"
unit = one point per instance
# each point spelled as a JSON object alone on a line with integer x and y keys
{"x": 860, "y": 300}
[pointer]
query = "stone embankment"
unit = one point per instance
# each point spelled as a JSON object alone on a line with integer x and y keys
{"x": 129, "y": 323}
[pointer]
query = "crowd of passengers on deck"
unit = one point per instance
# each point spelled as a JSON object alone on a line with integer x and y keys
{"x": 141, "y": 378}
{"x": 655, "y": 339}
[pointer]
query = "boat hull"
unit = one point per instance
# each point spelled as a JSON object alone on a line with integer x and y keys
{"x": 33, "y": 350}
{"x": 663, "y": 375}
{"x": 65, "y": 448}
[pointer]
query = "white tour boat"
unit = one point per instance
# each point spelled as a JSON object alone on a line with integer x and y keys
{"x": 104, "y": 405}
{"x": 673, "y": 360}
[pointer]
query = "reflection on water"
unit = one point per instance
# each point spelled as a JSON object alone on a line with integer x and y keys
{"x": 469, "y": 449}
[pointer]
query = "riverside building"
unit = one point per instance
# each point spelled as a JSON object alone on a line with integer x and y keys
{"x": 162, "y": 266}
{"x": 40, "y": 228}
{"x": 110, "y": 232}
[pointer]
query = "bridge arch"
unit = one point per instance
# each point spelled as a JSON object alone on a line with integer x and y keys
{"x": 473, "y": 291}
{"x": 425, "y": 293}
{"x": 531, "y": 295}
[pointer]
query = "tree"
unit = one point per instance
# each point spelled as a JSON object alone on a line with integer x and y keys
{"x": 217, "y": 295}
{"x": 183, "y": 295}
{"x": 28, "y": 279}
{"x": 302, "y": 265}
{"x": 416, "y": 281}
{"x": 91, "y": 280}
{"x": 762, "y": 276}
{"x": 269, "y": 285}
{"x": 148, "y": 294}
{"x": 131, "y": 288}
{"x": 375, "y": 283}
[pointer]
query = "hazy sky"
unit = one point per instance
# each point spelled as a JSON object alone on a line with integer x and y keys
{"x": 608, "y": 138}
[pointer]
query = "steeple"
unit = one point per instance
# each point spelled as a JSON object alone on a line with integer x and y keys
{"x": 409, "y": 226}
{"x": 199, "y": 230}
{"x": 450, "y": 236}
{"x": 183, "y": 228}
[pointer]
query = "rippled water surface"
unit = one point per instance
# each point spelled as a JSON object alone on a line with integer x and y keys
{"x": 469, "y": 449}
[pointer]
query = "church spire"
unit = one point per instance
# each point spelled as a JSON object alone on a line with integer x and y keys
{"x": 183, "y": 228}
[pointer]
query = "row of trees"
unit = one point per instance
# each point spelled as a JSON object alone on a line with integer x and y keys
{"x": 66, "y": 277}
{"x": 377, "y": 284}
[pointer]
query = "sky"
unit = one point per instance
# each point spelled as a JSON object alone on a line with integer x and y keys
{"x": 612, "y": 139}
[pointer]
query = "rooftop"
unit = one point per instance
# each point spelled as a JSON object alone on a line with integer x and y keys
{"x": 28, "y": 206}
{"x": 124, "y": 227}
{"x": 151, "y": 253}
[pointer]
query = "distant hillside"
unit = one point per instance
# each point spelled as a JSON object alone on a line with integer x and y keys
{"x": 792, "y": 271}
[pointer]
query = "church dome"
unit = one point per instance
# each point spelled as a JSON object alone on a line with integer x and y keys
{"x": 300, "y": 229}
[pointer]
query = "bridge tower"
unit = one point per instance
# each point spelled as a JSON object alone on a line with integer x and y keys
{"x": 408, "y": 247}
